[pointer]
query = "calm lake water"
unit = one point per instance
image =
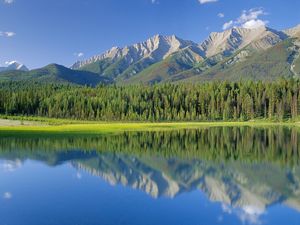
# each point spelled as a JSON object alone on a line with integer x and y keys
{"x": 188, "y": 177}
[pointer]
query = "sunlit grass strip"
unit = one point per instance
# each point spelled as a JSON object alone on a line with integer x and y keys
{"x": 115, "y": 127}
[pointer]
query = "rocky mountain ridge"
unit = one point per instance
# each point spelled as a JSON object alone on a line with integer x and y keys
{"x": 236, "y": 54}
{"x": 169, "y": 58}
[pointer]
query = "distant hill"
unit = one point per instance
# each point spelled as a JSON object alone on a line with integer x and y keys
{"x": 54, "y": 73}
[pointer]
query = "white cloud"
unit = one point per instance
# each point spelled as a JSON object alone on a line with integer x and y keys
{"x": 251, "y": 14}
{"x": 227, "y": 25}
{"x": 78, "y": 175}
{"x": 226, "y": 208}
{"x": 11, "y": 166}
{"x": 154, "y": 1}
{"x": 248, "y": 214}
{"x": 251, "y": 214}
{"x": 7, "y": 34}
{"x": 206, "y": 1}
{"x": 79, "y": 54}
{"x": 251, "y": 24}
{"x": 248, "y": 19}
{"x": 7, "y": 195}
{"x": 221, "y": 15}
{"x": 8, "y": 1}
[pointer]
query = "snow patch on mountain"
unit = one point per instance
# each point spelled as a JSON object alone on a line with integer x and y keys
{"x": 13, "y": 65}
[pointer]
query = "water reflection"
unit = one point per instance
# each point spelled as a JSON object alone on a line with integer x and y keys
{"x": 247, "y": 170}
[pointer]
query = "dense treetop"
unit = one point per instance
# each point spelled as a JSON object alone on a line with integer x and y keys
{"x": 166, "y": 102}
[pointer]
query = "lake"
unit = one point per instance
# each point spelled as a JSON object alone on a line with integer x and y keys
{"x": 229, "y": 175}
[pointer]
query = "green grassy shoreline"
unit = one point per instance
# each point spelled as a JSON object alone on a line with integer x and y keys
{"x": 60, "y": 126}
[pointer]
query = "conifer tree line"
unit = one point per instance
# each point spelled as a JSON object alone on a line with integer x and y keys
{"x": 212, "y": 101}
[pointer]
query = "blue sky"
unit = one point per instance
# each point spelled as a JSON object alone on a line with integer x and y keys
{"x": 39, "y": 32}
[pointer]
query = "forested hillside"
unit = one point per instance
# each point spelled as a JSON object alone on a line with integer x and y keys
{"x": 166, "y": 102}
{"x": 54, "y": 73}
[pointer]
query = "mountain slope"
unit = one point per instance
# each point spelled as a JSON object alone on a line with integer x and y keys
{"x": 267, "y": 54}
{"x": 178, "y": 62}
{"x": 54, "y": 73}
{"x": 194, "y": 60}
{"x": 14, "y": 65}
{"x": 293, "y": 32}
{"x": 131, "y": 60}
{"x": 229, "y": 41}
{"x": 267, "y": 65}
{"x": 295, "y": 64}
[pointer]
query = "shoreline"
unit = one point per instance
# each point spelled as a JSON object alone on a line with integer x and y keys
{"x": 58, "y": 126}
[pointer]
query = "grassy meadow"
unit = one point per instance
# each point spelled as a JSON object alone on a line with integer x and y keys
{"x": 41, "y": 125}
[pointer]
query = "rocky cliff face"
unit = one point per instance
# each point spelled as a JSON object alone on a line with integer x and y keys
{"x": 156, "y": 48}
{"x": 229, "y": 41}
{"x": 168, "y": 58}
{"x": 293, "y": 32}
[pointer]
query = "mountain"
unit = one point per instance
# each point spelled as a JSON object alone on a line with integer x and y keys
{"x": 228, "y": 42}
{"x": 225, "y": 56}
{"x": 54, "y": 73}
{"x": 14, "y": 65}
{"x": 234, "y": 54}
{"x": 130, "y": 60}
{"x": 180, "y": 61}
{"x": 269, "y": 65}
{"x": 293, "y": 32}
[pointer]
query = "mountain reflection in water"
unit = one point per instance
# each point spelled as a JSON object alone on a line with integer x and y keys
{"x": 247, "y": 170}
